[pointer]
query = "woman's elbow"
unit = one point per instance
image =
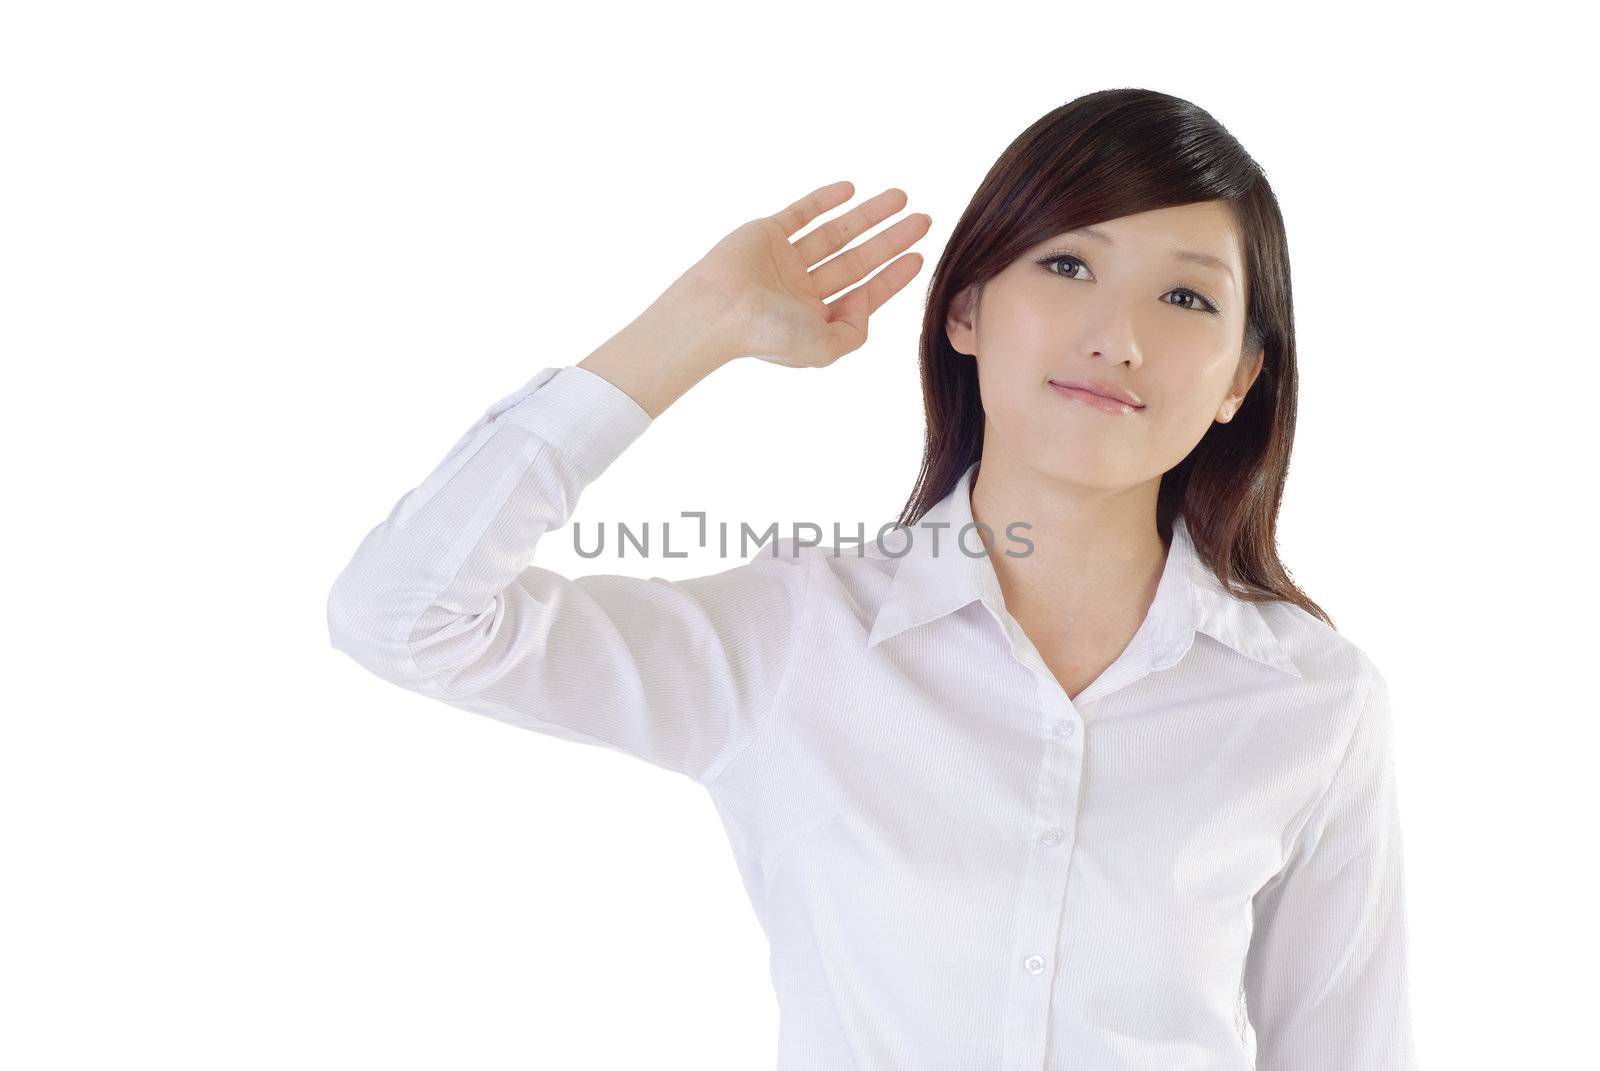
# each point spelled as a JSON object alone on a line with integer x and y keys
{"x": 372, "y": 634}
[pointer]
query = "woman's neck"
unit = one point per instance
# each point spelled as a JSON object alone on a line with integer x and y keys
{"x": 1095, "y": 562}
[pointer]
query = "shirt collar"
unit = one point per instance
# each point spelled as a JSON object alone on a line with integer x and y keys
{"x": 937, "y": 576}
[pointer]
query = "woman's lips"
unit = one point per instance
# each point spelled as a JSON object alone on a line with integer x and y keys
{"x": 1093, "y": 400}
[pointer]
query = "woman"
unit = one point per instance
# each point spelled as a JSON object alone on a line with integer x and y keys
{"x": 1082, "y": 796}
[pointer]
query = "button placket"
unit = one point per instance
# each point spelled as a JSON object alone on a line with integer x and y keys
{"x": 1041, "y": 907}
{"x": 1051, "y": 837}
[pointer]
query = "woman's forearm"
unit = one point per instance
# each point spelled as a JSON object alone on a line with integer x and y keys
{"x": 668, "y": 348}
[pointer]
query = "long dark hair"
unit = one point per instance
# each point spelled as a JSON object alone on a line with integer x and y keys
{"x": 1115, "y": 153}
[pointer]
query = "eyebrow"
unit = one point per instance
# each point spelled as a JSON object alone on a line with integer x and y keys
{"x": 1189, "y": 255}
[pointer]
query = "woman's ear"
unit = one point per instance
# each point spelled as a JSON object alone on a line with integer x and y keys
{"x": 960, "y": 322}
{"x": 1243, "y": 380}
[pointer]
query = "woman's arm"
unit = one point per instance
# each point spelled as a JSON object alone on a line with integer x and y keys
{"x": 1326, "y": 982}
{"x": 440, "y": 598}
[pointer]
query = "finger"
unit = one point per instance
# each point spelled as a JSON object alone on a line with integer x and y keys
{"x": 856, "y": 264}
{"x": 847, "y": 326}
{"x": 888, "y": 282}
{"x": 813, "y": 205}
{"x": 832, "y": 236}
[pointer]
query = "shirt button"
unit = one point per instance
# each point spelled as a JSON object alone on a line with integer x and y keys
{"x": 1064, "y": 729}
{"x": 1051, "y": 837}
{"x": 1034, "y": 964}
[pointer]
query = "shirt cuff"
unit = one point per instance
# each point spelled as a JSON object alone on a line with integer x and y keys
{"x": 584, "y": 414}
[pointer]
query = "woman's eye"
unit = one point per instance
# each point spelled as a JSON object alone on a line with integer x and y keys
{"x": 1200, "y": 304}
{"x": 1050, "y": 262}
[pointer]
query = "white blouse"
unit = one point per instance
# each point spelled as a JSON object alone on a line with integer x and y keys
{"x": 1195, "y": 865}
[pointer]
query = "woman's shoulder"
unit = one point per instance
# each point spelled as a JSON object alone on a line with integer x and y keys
{"x": 1327, "y": 659}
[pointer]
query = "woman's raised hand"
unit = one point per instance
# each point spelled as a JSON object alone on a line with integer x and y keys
{"x": 775, "y": 288}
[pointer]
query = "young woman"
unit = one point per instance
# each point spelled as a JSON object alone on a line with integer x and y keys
{"x": 1061, "y": 772}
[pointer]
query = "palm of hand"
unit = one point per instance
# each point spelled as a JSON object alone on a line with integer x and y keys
{"x": 777, "y": 287}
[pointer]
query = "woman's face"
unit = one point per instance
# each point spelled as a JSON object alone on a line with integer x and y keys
{"x": 1119, "y": 304}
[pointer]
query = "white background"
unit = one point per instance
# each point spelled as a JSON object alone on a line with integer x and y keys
{"x": 263, "y": 263}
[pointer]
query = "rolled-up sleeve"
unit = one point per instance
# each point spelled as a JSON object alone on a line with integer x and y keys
{"x": 1326, "y": 978}
{"x": 441, "y": 598}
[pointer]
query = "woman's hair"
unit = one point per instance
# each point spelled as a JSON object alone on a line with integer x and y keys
{"x": 1108, "y": 154}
